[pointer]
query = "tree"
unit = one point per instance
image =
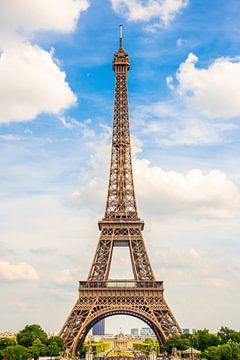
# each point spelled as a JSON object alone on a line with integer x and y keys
{"x": 225, "y": 334}
{"x": 228, "y": 351}
{"x": 212, "y": 353}
{"x": 5, "y": 342}
{"x": 16, "y": 352}
{"x": 30, "y": 333}
{"x": 55, "y": 345}
{"x": 147, "y": 345}
{"x": 180, "y": 342}
{"x": 202, "y": 339}
{"x": 37, "y": 349}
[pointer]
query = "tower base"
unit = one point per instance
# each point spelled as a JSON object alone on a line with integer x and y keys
{"x": 98, "y": 300}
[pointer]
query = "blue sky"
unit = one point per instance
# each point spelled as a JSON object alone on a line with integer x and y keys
{"x": 56, "y": 104}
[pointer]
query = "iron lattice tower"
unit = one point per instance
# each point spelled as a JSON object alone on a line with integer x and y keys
{"x": 100, "y": 297}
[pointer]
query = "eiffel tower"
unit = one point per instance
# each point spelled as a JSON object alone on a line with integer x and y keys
{"x": 100, "y": 297}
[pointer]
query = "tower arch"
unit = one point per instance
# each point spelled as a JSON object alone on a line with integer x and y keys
{"x": 103, "y": 314}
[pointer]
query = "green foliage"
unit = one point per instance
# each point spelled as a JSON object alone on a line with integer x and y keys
{"x": 37, "y": 349}
{"x": 225, "y": 334}
{"x": 146, "y": 346}
{"x": 228, "y": 351}
{"x": 212, "y": 353}
{"x": 32, "y": 342}
{"x": 16, "y": 352}
{"x": 30, "y": 333}
{"x": 55, "y": 345}
{"x": 180, "y": 342}
{"x": 35, "y": 341}
{"x": 202, "y": 339}
{"x": 225, "y": 345}
{"x": 97, "y": 347}
{"x": 5, "y": 342}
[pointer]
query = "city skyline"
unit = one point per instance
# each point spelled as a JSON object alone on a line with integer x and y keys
{"x": 55, "y": 135}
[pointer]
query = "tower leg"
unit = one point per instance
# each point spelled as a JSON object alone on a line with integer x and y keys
{"x": 95, "y": 304}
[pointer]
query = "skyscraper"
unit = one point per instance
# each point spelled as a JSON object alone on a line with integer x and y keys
{"x": 99, "y": 328}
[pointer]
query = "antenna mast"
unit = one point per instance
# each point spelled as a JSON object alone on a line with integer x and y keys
{"x": 121, "y": 33}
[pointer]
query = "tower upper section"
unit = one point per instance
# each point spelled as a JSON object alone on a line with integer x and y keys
{"x": 121, "y": 203}
{"x": 121, "y": 62}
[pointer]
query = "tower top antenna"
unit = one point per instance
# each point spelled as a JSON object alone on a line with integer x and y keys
{"x": 121, "y": 33}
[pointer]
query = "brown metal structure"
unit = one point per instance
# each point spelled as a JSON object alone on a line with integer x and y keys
{"x": 100, "y": 297}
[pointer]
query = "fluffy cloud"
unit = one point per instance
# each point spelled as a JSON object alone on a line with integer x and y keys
{"x": 193, "y": 193}
{"x": 31, "y": 83}
{"x": 213, "y": 91}
{"x": 203, "y": 109}
{"x": 136, "y": 10}
{"x": 160, "y": 192}
{"x": 21, "y": 271}
{"x": 27, "y": 16}
{"x": 170, "y": 124}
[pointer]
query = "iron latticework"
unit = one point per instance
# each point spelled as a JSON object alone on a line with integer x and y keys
{"x": 100, "y": 297}
{"x": 121, "y": 203}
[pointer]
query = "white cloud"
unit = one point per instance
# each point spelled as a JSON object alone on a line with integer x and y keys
{"x": 213, "y": 91}
{"x": 9, "y": 137}
{"x": 203, "y": 109}
{"x": 27, "y": 16}
{"x": 137, "y": 10}
{"x": 31, "y": 83}
{"x": 160, "y": 192}
{"x": 193, "y": 193}
{"x": 84, "y": 126}
{"x": 21, "y": 271}
{"x": 170, "y": 124}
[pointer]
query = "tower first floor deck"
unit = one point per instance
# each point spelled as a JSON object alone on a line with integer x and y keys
{"x": 98, "y": 300}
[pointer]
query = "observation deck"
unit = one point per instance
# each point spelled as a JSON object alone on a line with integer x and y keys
{"x": 121, "y": 284}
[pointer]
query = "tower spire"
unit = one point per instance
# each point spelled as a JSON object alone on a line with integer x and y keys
{"x": 121, "y": 40}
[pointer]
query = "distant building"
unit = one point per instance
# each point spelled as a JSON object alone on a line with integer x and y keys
{"x": 7, "y": 334}
{"x": 187, "y": 331}
{"x": 191, "y": 354}
{"x": 135, "y": 332}
{"x": 146, "y": 332}
{"x": 99, "y": 328}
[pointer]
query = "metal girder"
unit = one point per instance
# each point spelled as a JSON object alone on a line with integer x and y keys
{"x": 121, "y": 235}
